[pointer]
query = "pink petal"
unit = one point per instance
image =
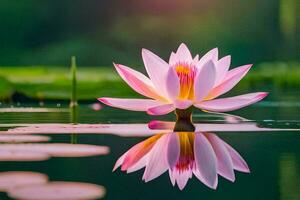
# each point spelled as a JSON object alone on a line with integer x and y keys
{"x": 172, "y": 84}
{"x": 137, "y": 81}
{"x": 196, "y": 59}
{"x": 205, "y": 80}
{"x": 130, "y": 104}
{"x": 182, "y": 104}
{"x": 157, "y": 70}
{"x": 161, "y": 125}
{"x": 173, "y": 150}
{"x": 119, "y": 161}
{"x": 231, "y": 103}
{"x": 222, "y": 68}
{"x": 172, "y": 178}
{"x": 182, "y": 178}
{"x": 231, "y": 79}
{"x": 238, "y": 162}
{"x": 183, "y": 53}
{"x": 224, "y": 162}
{"x": 161, "y": 109}
{"x": 139, "y": 164}
{"x": 211, "y": 55}
{"x": 136, "y": 153}
{"x": 173, "y": 59}
{"x": 157, "y": 162}
{"x": 205, "y": 158}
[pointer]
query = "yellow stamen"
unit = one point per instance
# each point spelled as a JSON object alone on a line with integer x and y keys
{"x": 186, "y": 74}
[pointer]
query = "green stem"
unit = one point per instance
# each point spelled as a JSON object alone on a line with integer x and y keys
{"x": 184, "y": 121}
{"x": 73, "y": 101}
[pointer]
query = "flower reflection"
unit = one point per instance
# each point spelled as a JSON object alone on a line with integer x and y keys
{"x": 183, "y": 154}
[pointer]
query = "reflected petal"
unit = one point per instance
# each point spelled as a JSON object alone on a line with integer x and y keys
{"x": 157, "y": 163}
{"x": 133, "y": 130}
{"x": 161, "y": 125}
{"x": 119, "y": 162}
{"x": 238, "y": 162}
{"x": 224, "y": 162}
{"x": 134, "y": 154}
{"x": 206, "y": 165}
{"x": 183, "y": 154}
{"x": 173, "y": 150}
{"x": 182, "y": 179}
{"x": 172, "y": 178}
{"x": 139, "y": 164}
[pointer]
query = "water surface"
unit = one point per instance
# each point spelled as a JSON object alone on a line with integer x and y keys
{"x": 273, "y": 156}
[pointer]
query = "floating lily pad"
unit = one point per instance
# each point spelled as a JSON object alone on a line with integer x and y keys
{"x": 11, "y": 154}
{"x": 23, "y": 138}
{"x": 55, "y": 149}
{"x": 58, "y": 191}
{"x": 12, "y": 179}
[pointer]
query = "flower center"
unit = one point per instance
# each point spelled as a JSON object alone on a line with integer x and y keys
{"x": 186, "y": 74}
{"x": 186, "y": 159}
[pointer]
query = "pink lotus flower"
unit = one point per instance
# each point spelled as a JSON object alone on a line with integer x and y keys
{"x": 183, "y": 82}
{"x": 183, "y": 154}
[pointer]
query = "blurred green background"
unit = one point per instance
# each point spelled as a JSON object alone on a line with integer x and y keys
{"x": 39, "y": 37}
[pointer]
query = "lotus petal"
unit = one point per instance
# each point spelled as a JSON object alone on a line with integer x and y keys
{"x": 205, "y": 80}
{"x": 157, "y": 70}
{"x": 137, "y": 81}
{"x": 183, "y": 53}
{"x": 130, "y": 104}
{"x": 222, "y": 68}
{"x": 231, "y": 79}
{"x": 161, "y": 110}
{"x": 211, "y": 55}
{"x": 231, "y": 103}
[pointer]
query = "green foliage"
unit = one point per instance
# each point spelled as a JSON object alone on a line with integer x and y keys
{"x": 41, "y": 82}
{"x": 55, "y": 82}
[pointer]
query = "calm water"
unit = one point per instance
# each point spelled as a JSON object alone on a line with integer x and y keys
{"x": 273, "y": 157}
